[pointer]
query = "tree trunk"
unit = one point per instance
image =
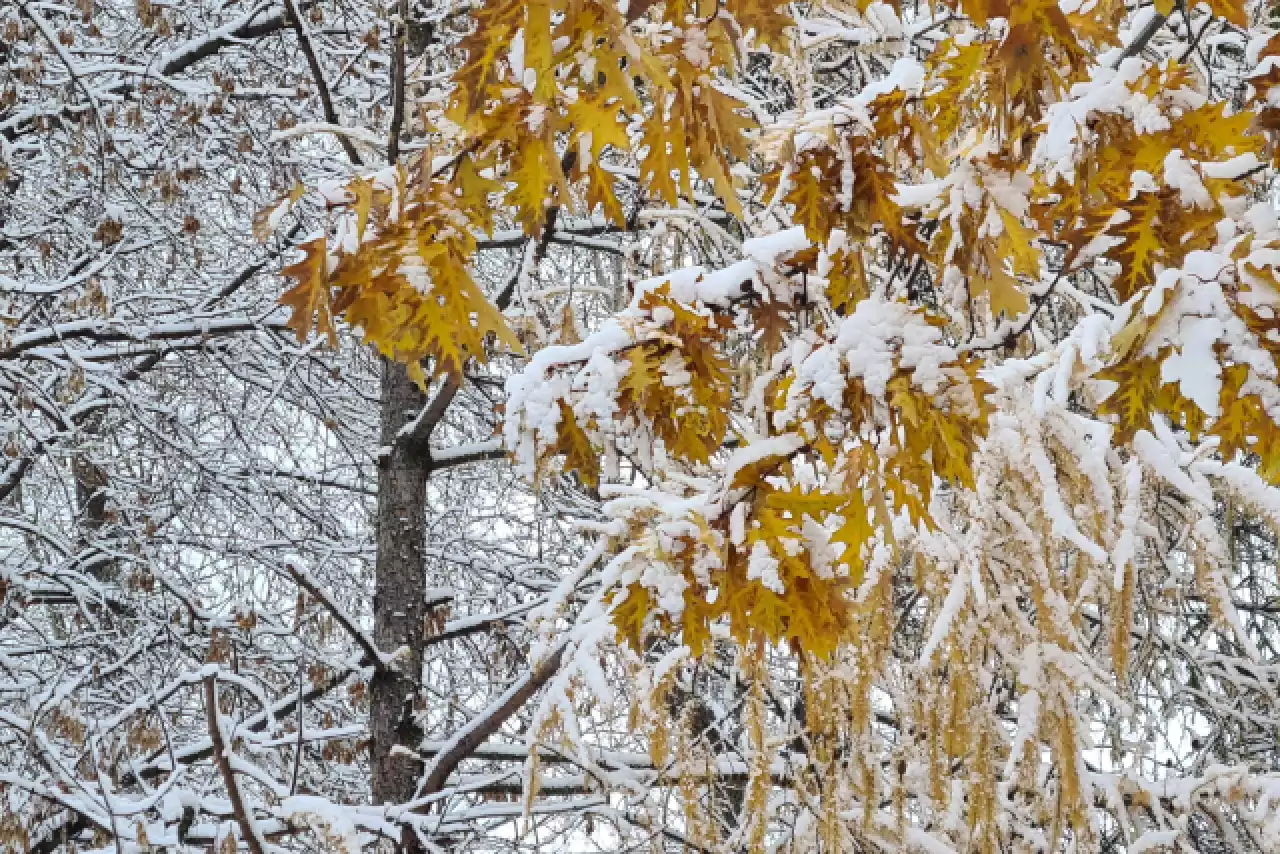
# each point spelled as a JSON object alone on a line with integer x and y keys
{"x": 399, "y": 597}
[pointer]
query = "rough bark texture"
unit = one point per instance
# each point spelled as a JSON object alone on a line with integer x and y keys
{"x": 399, "y": 599}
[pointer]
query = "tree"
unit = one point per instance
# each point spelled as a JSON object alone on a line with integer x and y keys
{"x": 998, "y": 345}
{"x": 186, "y": 492}
{"x": 888, "y": 389}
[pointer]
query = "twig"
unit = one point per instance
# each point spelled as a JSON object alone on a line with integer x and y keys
{"x": 297, "y": 751}
{"x": 1140, "y": 41}
{"x": 477, "y": 455}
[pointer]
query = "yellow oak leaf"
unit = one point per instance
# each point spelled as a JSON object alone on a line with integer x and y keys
{"x": 767, "y": 19}
{"x": 473, "y": 191}
{"x": 847, "y": 281}
{"x": 309, "y": 298}
{"x": 534, "y": 178}
{"x": 1018, "y": 244}
{"x": 600, "y": 193}
{"x": 641, "y": 380}
{"x": 538, "y": 49}
{"x": 485, "y": 47}
{"x": 798, "y": 503}
{"x": 1004, "y": 293}
{"x": 810, "y": 193}
{"x": 1143, "y": 244}
{"x": 580, "y": 455}
{"x": 603, "y": 119}
{"x": 664, "y": 150}
{"x": 632, "y": 614}
{"x": 362, "y": 191}
{"x": 1134, "y": 398}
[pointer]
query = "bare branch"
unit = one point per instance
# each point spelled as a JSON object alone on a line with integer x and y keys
{"x": 304, "y": 579}
{"x": 222, "y": 758}
{"x": 471, "y": 736}
{"x": 317, "y": 74}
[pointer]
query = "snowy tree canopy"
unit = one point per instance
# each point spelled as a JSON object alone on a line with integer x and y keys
{"x": 573, "y": 425}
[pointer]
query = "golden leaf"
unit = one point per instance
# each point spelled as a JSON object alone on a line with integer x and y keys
{"x": 538, "y": 50}
{"x": 764, "y": 19}
{"x": 534, "y": 176}
{"x": 362, "y": 191}
{"x": 579, "y": 454}
{"x": 1142, "y": 245}
{"x": 1003, "y": 292}
{"x": 264, "y": 220}
{"x": 309, "y": 297}
{"x": 600, "y": 194}
{"x": 660, "y": 160}
{"x": 1137, "y": 384}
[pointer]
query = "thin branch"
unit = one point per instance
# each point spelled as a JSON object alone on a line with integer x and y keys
{"x": 466, "y": 454}
{"x": 307, "y": 582}
{"x": 251, "y": 26}
{"x": 1140, "y": 41}
{"x": 222, "y": 758}
{"x": 317, "y": 74}
{"x": 105, "y": 332}
{"x": 478, "y": 730}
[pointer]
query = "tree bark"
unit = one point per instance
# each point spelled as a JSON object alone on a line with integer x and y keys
{"x": 399, "y": 599}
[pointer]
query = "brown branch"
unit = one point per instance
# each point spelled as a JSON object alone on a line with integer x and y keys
{"x": 307, "y": 582}
{"x": 317, "y": 73}
{"x": 466, "y": 459}
{"x": 252, "y": 28}
{"x": 577, "y": 784}
{"x": 463, "y": 629}
{"x": 222, "y": 758}
{"x": 13, "y": 474}
{"x": 398, "y": 74}
{"x": 246, "y": 275}
{"x": 572, "y": 236}
{"x": 478, "y": 729}
{"x": 103, "y": 332}
{"x": 416, "y": 433}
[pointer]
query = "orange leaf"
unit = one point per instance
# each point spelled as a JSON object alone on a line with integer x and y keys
{"x": 309, "y": 299}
